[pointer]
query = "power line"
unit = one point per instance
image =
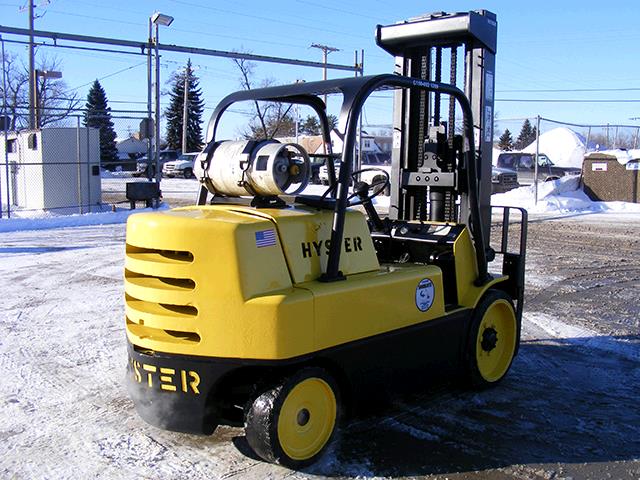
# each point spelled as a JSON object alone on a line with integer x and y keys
{"x": 348, "y": 12}
{"x": 108, "y": 76}
{"x": 268, "y": 19}
{"x": 560, "y": 100}
{"x": 571, "y": 90}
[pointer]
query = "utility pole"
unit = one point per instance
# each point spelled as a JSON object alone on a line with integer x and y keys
{"x": 185, "y": 108}
{"x": 326, "y": 50}
{"x": 32, "y": 72}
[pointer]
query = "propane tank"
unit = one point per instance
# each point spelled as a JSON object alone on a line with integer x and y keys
{"x": 262, "y": 168}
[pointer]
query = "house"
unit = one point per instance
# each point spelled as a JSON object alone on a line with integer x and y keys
{"x": 131, "y": 146}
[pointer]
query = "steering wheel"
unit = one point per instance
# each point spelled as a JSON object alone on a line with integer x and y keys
{"x": 361, "y": 189}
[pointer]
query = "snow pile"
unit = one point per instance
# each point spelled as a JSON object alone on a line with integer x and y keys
{"x": 559, "y": 196}
{"x": 562, "y": 145}
{"x": 63, "y": 221}
{"x": 623, "y": 156}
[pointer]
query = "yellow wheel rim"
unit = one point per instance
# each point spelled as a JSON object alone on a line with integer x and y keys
{"x": 307, "y": 418}
{"x": 496, "y": 341}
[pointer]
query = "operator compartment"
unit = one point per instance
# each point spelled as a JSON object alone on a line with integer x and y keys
{"x": 447, "y": 246}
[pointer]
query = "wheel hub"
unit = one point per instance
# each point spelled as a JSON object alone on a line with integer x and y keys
{"x": 489, "y": 339}
{"x": 303, "y": 417}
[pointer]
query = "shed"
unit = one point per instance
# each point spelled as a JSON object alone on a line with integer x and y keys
{"x": 53, "y": 169}
{"x": 607, "y": 177}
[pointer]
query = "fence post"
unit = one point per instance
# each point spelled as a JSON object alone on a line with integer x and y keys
{"x": 88, "y": 170}
{"x": 78, "y": 160}
{"x": 535, "y": 166}
{"x": 6, "y": 126}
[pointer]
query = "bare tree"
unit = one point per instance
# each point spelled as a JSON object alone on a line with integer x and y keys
{"x": 269, "y": 118}
{"x": 17, "y": 82}
{"x": 55, "y": 101}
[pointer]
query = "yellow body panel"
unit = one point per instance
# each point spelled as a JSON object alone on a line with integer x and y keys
{"x": 372, "y": 303}
{"x": 467, "y": 271}
{"x": 197, "y": 282}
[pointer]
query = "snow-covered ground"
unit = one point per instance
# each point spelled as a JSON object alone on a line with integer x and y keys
{"x": 565, "y": 410}
{"x": 562, "y": 196}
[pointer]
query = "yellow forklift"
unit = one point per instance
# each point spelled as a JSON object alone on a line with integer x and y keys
{"x": 284, "y": 312}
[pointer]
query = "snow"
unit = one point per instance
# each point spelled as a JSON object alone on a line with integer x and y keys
{"x": 65, "y": 412}
{"x": 557, "y": 329}
{"x": 562, "y": 145}
{"x": 623, "y": 156}
{"x": 559, "y": 196}
{"x": 50, "y": 221}
{"x": 562, "y": 196}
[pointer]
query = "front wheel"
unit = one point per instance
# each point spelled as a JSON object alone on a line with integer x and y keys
{"x": 188, "y": 173}
{"x": 293, "y": 423}
{"x": 492, "y": 339}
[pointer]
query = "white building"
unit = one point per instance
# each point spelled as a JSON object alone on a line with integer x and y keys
{"x": 53, "y": 169}
{"x": 131, "y": 145}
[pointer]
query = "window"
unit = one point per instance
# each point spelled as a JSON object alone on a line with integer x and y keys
{"x": 367, "y": 143}
{"x": 32, "y": 141}
{"x": 544, "y": 161}
{"x": 526, "y": 161}
{"x": 507, "y": 160}
{"x": 12, "y": 146}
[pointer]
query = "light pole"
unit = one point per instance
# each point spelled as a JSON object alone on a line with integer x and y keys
{"x": 43, "y": 74}
{"x": 158, "y": 19}
{"x": 185, "y": 108}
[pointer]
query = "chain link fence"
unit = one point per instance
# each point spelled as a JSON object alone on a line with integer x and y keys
{"x": 556, "y": 134}
{"x": 58, "y": 169}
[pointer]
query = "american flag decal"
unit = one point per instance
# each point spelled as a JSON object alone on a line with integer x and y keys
{"x": 265, "y": 238}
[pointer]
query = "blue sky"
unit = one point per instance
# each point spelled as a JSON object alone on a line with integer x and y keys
{"x": 544, "y": 45}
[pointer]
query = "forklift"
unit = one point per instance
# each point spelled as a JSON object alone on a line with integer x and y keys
{"x": 283, "y": 312}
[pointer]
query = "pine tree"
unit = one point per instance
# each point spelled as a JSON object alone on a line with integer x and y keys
{"x": 174, "y": 112}
{"x": 98, "y": 115}
{"x": 526, "y": 137}
{"x": 310, "y": 125}
{"x": 506, "y": 141}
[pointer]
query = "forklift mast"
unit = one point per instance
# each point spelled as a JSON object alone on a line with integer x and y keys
{"x": 428, "y": 176}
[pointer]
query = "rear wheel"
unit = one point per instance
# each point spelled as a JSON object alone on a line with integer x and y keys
{"x": 293, "y": 423}
{"x": 492, "y": 340}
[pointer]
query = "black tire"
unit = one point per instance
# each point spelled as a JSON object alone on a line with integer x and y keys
{"x": 188, "y": 173}
{"x": 492, "y": 341}
{"x": 272, "y": 427}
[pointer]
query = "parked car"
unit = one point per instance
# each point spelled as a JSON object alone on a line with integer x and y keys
{"x": 181, "y": 167}
{"x": 503, "y": 180}
{"x": 523, "y": 164}
{"x": 317, "y": 162}
{"x": 144, "y": 168}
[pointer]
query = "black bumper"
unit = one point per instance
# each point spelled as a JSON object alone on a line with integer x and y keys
{"x": 174, "y": 392}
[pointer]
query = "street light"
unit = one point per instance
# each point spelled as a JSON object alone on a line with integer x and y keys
{"x": 161, "y": 19}
{"x": 156, "y": 19}
{"x": 43, "y": 74}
